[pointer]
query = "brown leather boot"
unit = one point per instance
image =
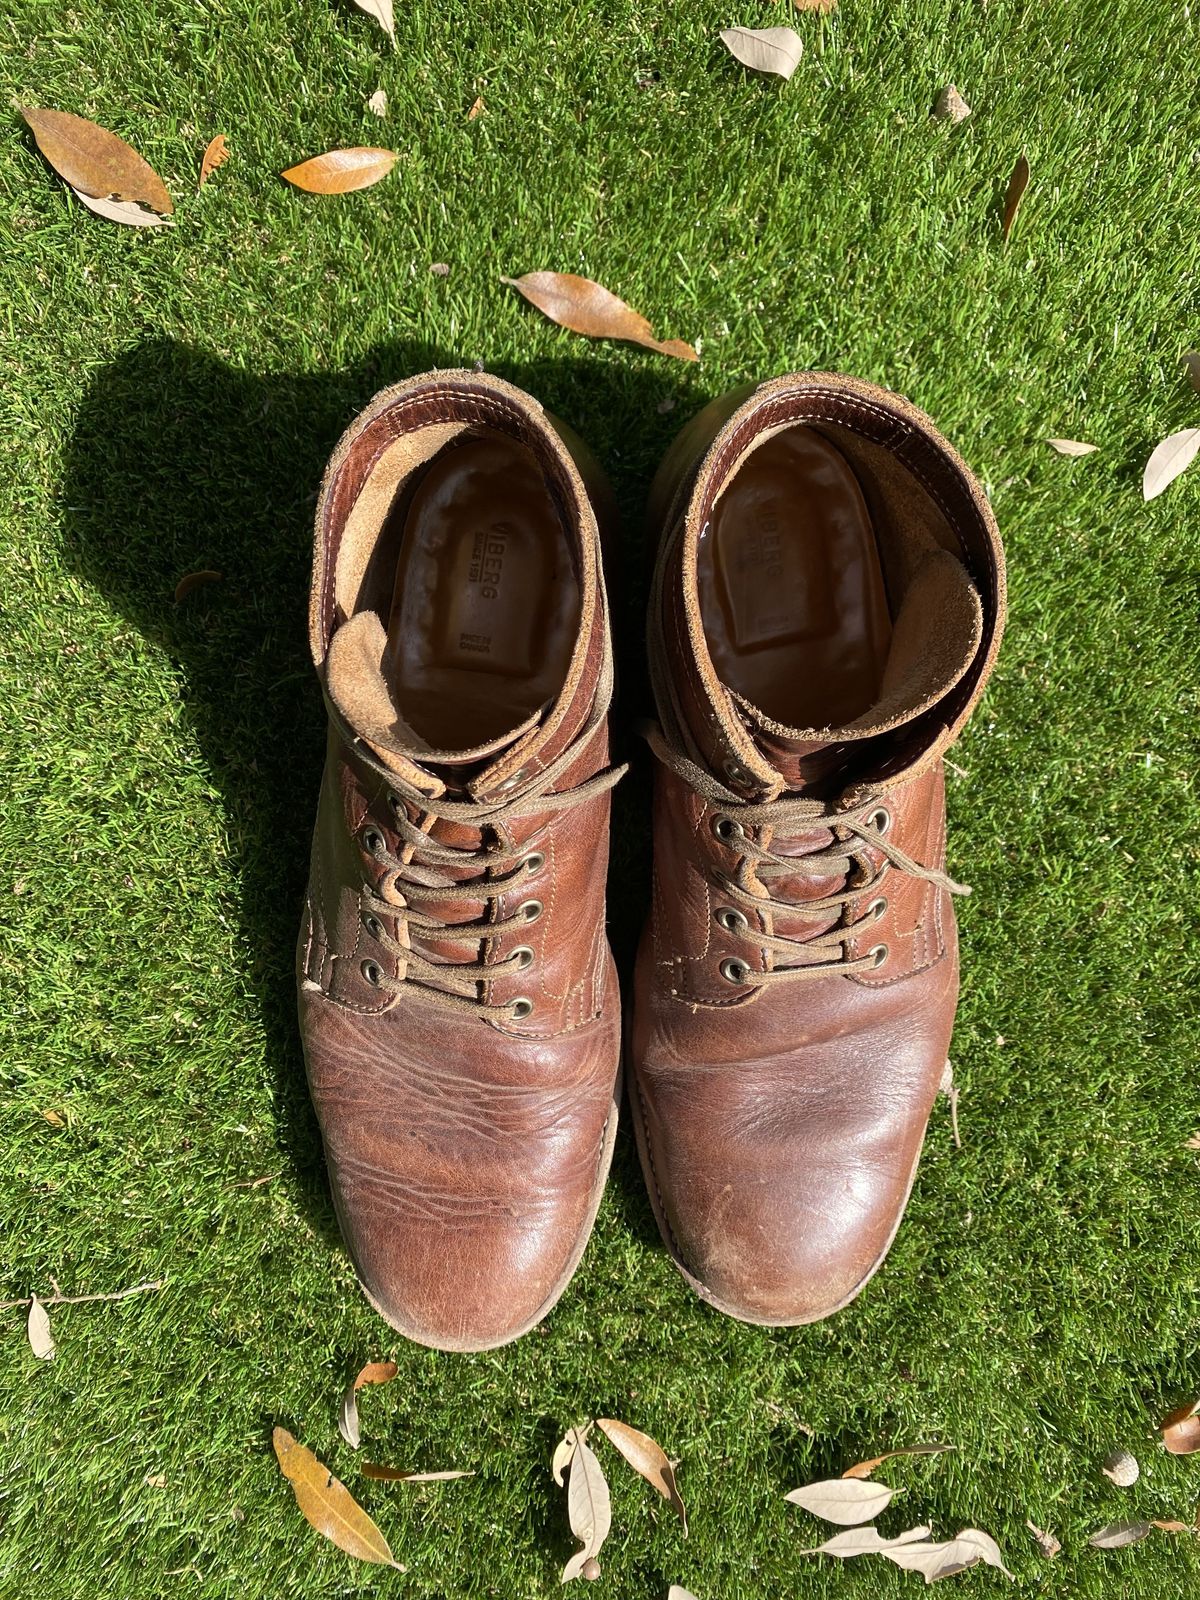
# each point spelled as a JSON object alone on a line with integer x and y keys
{"x": 458, "y": 1002}
{"x": 827, "y": 607}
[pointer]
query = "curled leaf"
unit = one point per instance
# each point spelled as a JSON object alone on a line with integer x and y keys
{"x": 586, "y": 307}
{"x": 216, "y": 153}
{"x": 1046, "y": 1542}
{"x": 373, "y": 1372}
{"x": 943, "y": 1560}
{"x": 846, "y": 1501}
{"x": 477, "y": 108}
{"x": 565, "y": 1449}
{"x": 195, "y": 580}
{"x": 128, "y": 212}
{"x": 588, "y": 1508}
{"x": 381, "y": 10}
{"x": 328, "y": 1505}
{"x": 341, "y": 171}
{"x": 950, "y": 106}
{"x": 1118, "y": 1534}
{"x": 864, "y": 1469}
{"x": 1072, "y": 447}
{"x": 372, "y": 1469}
{"x": 41, "y": 1340}
{"x": 863, "y": 1542}
{"x": 648, "y": 1459}
{"x": 776, "y": 50}
{"x": 1173, "y": 456}
{"x": 378, "y": 103}
{"x": 1013, "y": 195}
{"x": 94, "y": 161}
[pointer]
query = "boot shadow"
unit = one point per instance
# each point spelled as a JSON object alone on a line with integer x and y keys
{"x": 179, "y": 463}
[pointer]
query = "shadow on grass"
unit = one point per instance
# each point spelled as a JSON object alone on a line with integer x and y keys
{"x": 180, "y": 463}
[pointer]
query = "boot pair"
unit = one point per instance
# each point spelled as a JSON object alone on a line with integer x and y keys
{"x": 826, "y": 608}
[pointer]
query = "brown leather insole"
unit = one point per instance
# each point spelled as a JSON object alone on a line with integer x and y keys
{"x": 486, "y": 603}
{"x": 791, "y": 587}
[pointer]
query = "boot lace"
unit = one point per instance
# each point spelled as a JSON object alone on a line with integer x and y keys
{"x": 857, "y": 830}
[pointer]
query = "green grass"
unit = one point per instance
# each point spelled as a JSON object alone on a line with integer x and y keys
{"x": 168, "y": 402}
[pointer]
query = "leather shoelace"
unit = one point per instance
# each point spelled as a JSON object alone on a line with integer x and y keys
{"x": 855, "y": 830}
{"x": 418, "y": 879}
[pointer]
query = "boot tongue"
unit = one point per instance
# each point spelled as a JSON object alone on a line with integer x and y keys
{"x": 935, "y": 637}
{"x": 357, "y": 682}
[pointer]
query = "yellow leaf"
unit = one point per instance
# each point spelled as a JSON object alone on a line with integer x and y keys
{"x": 328, "y": 1504}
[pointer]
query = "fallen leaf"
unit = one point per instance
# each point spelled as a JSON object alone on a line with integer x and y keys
{"x": 1192, "y": 1142}
{"x": 55, "y": 1118}
{"x": 846, "y": 1501}
{"x": 950, "y": 106}
{"x": 588, "y": 308}
{"x": 822, "y": 7}
{"x": 328, "y": 1505}
{"x": 1118, "y": 1534}
{"x": 646, "y": 1458}
{"x": 989, "y": 1550}
{"x": 1172, "y": 1526}
{"x": 1173, "y": 456}
{"x": 776, "y": 50}
{"x": 215, "y": 155}
{"x": 943, "y": 1560}
{"x": 588, "y": 1507}
{"x": 677, "y": 1592}
{"x": 94, "y": 161}
{"x": 1046, "y": 1542}
{"x": 1180, "y": 1429}
{"x": 863, "y": 1542}
{"x": 864, "y": 1469}
{"x": 381, "y": 10}
{"x": 564, "y": 1450}
{"x": 195, "y": 580}
{"x": 341, "y": 171}
{"x": 128, "y": 212}
{"x": 1121, "y": 1468}
{"x": 373, "y": 1372}
{"x": 155, "y": 1480}
{"x": 41, "y": 1340}
{"x": 372, "y": 1469}
{"x": 477, "y": 106}
{"x": 1072, "y": 447}
{"x": 440, "y": 269}
{"x": 1191, "y": 365}
{"x": 378, "y": 103}
{"x": 1017, "y": 186}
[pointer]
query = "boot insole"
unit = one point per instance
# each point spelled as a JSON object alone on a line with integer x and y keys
{"x": 486, "y": 603}
{"x": 791, "y": 588}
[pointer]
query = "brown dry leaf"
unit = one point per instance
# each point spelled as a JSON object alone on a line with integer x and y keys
{"x": 1172, "y": 1526}
{"x": 1017, "y": 186}
{"x": 950, "y": 106}
{"x": 586, "y": 307}
{"x": 195, "y": 580}
{"x": 564, "y": 1450}
{"x": 1180, "y": 1429}
{"x": 846, "y": 1501}
{"x": 1173, "y": 456}
{"x": 477, "y": 106}
{"x": 1118, "y": 1534}
{"x": 776, "y": 50}
{"x": 646, "y": 1458}
{"x": 155, "y": 1480}
{"x": 864, "y": 1469}
{"x": 1046, "y": 1542}
{"x": 1191, "y": 365}
{"x": 41, "y": 1340}
{"x": 55, "y": 1118}
{"x": 1072, "y": 447}
{"x": 381, "y": 10}
{"x": 128, "y": 212}
{"x": 378, "y": 103}
{"x": 94, "y": 161}
{"x": 216, "y": 154}
{"x": 373, "y": 1372}
{"x": 863, "y": 1542}
{"x": 1192, "y": 1142}
{"x": 328, "y": 1504}
{"x": 372, "y": 1469}
{"x": 943, "y": 1560}
{"x": 821, "y": 7}
{"x": 341, "y": 171}
{"x": 588, "y": 1508}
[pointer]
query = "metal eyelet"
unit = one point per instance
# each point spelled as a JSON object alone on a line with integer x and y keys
{"x": 880, "y": 819}
{"x": 878, "y": 954}
{"x": 397, "y": 806}
{"x": 372, "y": 840}
{"x": 522, "y": 1007}
{"x": 534, "y": 861}
{"x": 372, "y": 972}
{"x": 374, "y": 927}
{"x": 731, "y": 920}
{"x": 733, "y": 970}
{"x": 511, "y": 782}
{"x": 877, "y": 907}
{"x": 734, "y": 771}
{"x": 530, "y": 910}
{"x": 523, "y": 956}
{"x": 726, "y": 829}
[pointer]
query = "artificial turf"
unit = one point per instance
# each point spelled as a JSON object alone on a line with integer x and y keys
{"x": 168, "y": 402}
